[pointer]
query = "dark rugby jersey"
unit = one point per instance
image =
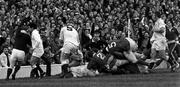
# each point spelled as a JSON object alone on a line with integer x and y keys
{"x": 172, "y": 34}
{"x": 118, "y": 46}
{"x": 21, "y": 41}
{"x": 101, "y": 62}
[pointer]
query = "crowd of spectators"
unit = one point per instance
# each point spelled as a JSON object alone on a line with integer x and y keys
{"x": 112, "y": 18}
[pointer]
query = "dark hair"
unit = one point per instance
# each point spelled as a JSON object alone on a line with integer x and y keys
{"x": 64, "y": 20}
{"x": 33, "y": 25}
{"x": 158, "y": 14}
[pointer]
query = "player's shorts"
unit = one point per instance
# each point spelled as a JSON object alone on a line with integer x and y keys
{"x": 34, "y": 60}
{"x": 82, "y": 71}
{"x": 66, "y": 50}
{"x": 69, "y": 47}
{"x": 17, "y": 55}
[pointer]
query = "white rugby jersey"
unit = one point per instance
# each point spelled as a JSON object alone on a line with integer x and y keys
{"x": 159, "y": 39}
{"x": 37, "y": 44}
{"x": 69, "y": 35}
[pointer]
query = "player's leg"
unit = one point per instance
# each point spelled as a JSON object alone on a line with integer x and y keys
{"x": 17, "y": 68}
{"x": 153, "y": 55}
{"x": 48, "y": 65}
{"x": 34, "y": 61}
{"x": 12, "y": 63}
{"x": 161, "y": 54}
{"x": 75, "y": 58}
{"x": 20, "y": 60}
{"x": 132, "y": 58}
{"x": 65, "y": 55}
{"x": 173, "y": 56}
{"x": 64, "y": 61}
{"x": 42, "y": 73}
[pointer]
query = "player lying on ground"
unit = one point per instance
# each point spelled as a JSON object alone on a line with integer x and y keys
{"x": 125, "y": 47}
{"x": 103, "y": 62}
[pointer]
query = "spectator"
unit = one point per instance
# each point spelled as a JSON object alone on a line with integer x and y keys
{"x": 4, "y": 57}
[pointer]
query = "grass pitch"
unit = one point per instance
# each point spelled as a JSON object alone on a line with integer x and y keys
{"x": 158, "y": 78}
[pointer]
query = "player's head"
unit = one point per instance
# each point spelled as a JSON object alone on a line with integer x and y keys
{"x": 32, "y": 26}
{"x": 158, "y": 14}
{"x": 23, "y": 29}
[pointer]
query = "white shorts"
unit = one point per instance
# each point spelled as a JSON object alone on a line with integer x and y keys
{"x": 82, "y": 71}
{"x": 17, "y": 55}
{"x": 67, "y": 49}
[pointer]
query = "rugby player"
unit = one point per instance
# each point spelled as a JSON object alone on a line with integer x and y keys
{"x": 70, "y": 39}
{"x": 159, "y": 43}
{"x": 125, "y": 47}
{"x": 37, "y": 49}
{"x": 103, "y": 63}
{"x": 22, "y": 41}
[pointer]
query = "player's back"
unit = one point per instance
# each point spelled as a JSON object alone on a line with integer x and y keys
{"x": 118, "y": 45}
{"x": 105, "y": 60}
{"x": 69, "y": 34}
{"x": 21, "y": 41}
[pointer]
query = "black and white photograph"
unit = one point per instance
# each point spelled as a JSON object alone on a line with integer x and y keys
{"x": 90, "y": 43}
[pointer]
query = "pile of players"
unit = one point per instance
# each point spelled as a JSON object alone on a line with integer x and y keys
{"x": 115, "y": 57}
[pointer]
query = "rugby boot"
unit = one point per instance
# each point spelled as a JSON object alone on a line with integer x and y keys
{"x": 64, "y": 70}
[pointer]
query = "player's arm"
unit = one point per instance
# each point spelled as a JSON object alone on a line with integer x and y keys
{"x": 61, "y": 37}
{"x": 29, "y": 44}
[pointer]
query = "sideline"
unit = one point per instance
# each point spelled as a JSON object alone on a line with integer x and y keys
{"x": 25, "y": 71}
{"x": 55, "y": 69}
